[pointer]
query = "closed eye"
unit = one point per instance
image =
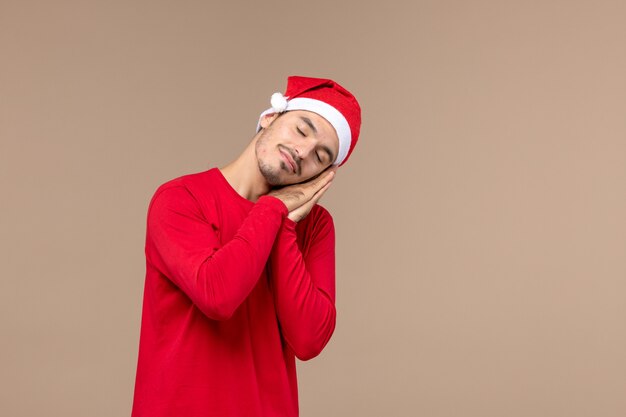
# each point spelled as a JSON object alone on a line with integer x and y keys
{"x": 300, "y": 132}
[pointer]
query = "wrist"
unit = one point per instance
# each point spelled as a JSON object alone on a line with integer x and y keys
{"x": 289, "y": 223}
{"x": 274, "y": 202}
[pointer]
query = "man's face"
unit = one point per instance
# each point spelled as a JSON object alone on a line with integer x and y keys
{"x": 295, "y": 146}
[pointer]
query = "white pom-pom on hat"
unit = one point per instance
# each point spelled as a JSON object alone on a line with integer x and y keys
{"x": 279, "y": 102}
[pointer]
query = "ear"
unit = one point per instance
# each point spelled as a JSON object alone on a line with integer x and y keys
{"x": 267, "y": 119}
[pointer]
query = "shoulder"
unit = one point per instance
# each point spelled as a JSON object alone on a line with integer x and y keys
{"x": 192, "y": 182}
{"x": 321, "y": 214}
{"x": 316, "y": 230}
{"x": 318, "y": 221}
{"x": 189, "y": 191}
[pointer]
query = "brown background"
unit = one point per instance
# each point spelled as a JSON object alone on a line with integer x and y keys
{"x": 481, "y": 231}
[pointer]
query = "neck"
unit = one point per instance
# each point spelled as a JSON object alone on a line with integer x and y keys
{"x": 244, "y": 176}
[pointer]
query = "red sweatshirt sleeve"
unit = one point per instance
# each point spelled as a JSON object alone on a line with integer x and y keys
{"x": 185, "y": 247}
{"x": 304, "y": 286}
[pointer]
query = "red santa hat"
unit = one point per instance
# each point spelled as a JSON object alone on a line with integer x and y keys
{"x": 326, "y": 98}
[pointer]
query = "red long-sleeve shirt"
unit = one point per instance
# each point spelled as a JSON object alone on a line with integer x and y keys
{"x": 234, "y": 291}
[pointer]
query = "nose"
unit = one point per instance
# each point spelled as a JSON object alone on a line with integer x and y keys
{"x": 303, "y": 150}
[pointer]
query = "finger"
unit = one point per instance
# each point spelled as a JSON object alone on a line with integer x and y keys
{"x": 302, "y": 211}
{"x": 312, "y": 186}
{"x": 320, "y": 193}
{"x": 315, "y": 195}
{"x": 322, "y": 180}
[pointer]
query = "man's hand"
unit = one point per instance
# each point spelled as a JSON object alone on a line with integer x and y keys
{"x": 300, "y": 198}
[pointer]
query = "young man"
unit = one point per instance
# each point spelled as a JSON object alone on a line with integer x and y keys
{"x": 240, "y": 266}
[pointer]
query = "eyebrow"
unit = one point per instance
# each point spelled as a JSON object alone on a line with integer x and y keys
{"x": 314, "y": 129}
{"x": 309, "y": 122}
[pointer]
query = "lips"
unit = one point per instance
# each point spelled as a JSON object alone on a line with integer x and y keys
{"x": 289, "y": 159}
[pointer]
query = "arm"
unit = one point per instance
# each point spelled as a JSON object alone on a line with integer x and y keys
{"x": 304, "y": 286}
{"x": 184, "y": 246}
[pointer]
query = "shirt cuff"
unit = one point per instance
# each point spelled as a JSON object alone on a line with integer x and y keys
{"x": 289, "y": 224}
{"x": 275, "y": 203}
